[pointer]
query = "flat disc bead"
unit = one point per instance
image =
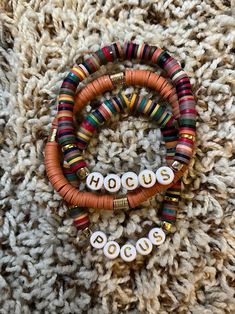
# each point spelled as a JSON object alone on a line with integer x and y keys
{"x": 165, "y": 175}
{"x": 157, "y": 236}
{"x": 128, "y": 252}
{"x": 94, "y": 181}
{"x": 144, "y": 246}
{"x": 147, "y": 178}
{"x": 111, "y": 249}
{"x": 130, "y": 181}
{"x": 112, "y": 183}
{"x": 98, "y": 239}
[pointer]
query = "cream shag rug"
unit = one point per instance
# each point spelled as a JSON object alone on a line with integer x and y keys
{"x": 41, "y": 268}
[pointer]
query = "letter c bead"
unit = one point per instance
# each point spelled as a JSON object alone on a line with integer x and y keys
{"x": 111, "y": 249}
{"x": 128, "y": 253}
{"x": 98, "y": 239}
{"x": 165, "y": 175}
{"x": 94, "y": 181}
{"x": 147, "y": 178}
{"x": 112, "y": 183}
{"x": 144, "y": 246}
{"x": 130, "y": 180}
{"x": 157, "y": 236}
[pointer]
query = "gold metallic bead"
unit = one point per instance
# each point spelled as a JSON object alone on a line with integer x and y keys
{"x": 120, "y": 203}
{"x": 172, "y": 199}
{"x": 177, "y": 166}
{"x": 52, "y": 135}
{"x": 189, "y": 136}
{"x": 85, "y": 234}
{"x": 117, "y": 79}
{"x": 68, "y": 146}
{"x": 82, "y": 173}
{"x": 166, "y": 226}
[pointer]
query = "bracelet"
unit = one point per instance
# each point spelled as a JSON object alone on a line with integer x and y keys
{"x": 86, "y": 199}
{"x": 156, "y": 236}
{"x": 186, "y": 112}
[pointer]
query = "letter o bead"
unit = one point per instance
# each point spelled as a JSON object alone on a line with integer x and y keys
{"x": 147, "y": 178}
{"x": 128, "y": 253}
{"x": 111, "y": 249}
{"x": 157, "y": 236}
{"x": 144, "y": 246}
{"x": 94, "y": 181}
{"x": 130, "y": 180}
{"x": 165, "y": 175}
{"x": 112, "y": 183}
{"x": 98, "y": 239}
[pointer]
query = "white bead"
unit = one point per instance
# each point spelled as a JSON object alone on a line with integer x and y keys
{"x": 147, "y": 178}
{"x": 98, "y": 239}
{"x": 111, "y": 249}
{"x": 165, "y": 175}
{"x": 128, "y": 252}
{"x": 144, "y": 246}
{"x": 157, "y": 236}
{"x": 94, "y": 181}
{"x": 112, "y": 183}
{"x": 130, "y": 181}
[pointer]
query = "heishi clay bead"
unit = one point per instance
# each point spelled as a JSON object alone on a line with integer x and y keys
{"x": 147, "y": 178}
{"x": 98, "y": 239}
{"x": 94, "y": 181}
{"x": 128, "y": 252}
{"x": 157, "y": 236}
{"x": 130, "y": 180}
{"x": 165, "y": 175}
{"x": 111, "y": 249}
{"x": 144, "y": 246}
{"x": 112, "y": 183}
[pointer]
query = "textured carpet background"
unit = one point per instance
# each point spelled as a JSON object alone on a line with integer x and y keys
{"x": 41, "y": 268}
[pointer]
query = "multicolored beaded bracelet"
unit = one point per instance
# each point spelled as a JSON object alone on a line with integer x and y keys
{"x": 156, "y": 236}
{"x": 186, "y": 112}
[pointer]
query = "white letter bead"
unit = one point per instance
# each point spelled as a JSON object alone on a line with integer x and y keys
{"x": 147, "y": 178}
{"x": 94, "y": 181}
{"x": 112, "y": 183}
{"x": 128, "y": 253}
{"x": 111, "y": 249}
{"x": 165, "y": 175}
{"x": 98, "y": 239}
{"x": 130, "y": 181}
{"x": 157, "y": 236}
{"x": 144, "y": 246}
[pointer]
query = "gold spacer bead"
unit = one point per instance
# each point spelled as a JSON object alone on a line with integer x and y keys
{"x": 186, "y": 135}
{"x": 166, "y": 226}
{"x": 52, "y": 135}
{"x": 84, "y": 235}
{"x": 120, "y": 203}
{"x": 172, "y": 199}
{"x": 68, "y": 146}
{"x": 177, "y": 166}
{"x": 117, "y": 79}
{"x": 82, "y": 173}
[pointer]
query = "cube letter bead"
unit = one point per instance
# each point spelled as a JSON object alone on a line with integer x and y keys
{"x": 94, "y": 181}
{"x": 147, "y": 178}
{"x": 130, "y": 181}
{"x": 128, "y": 252}
{"x": 98, "y": 239}
{"x": 165, "y": 175}
{"x": 144, "y": 246}
{"x": 112, "y": 183}
{"x": 157, "y": 236}
{"x": 111, "y": 249}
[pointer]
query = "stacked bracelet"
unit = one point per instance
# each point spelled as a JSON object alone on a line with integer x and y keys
{"x": 180, "y": 143}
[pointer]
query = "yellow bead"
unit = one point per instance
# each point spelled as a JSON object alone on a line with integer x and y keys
{"x": 166, "y": 226}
